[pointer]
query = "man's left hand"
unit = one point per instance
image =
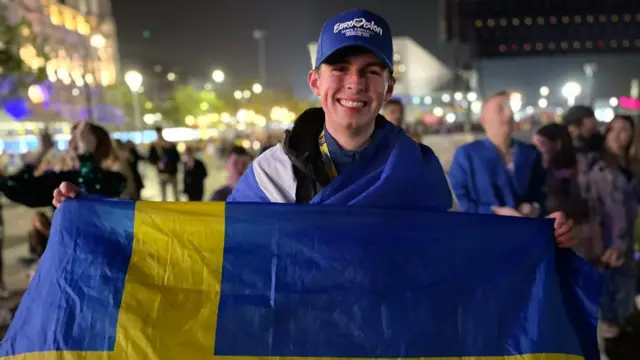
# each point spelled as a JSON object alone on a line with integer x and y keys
{"x": 562, "y": 229}
{"x": 505, "y": 211}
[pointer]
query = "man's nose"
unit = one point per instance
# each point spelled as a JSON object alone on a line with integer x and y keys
{"x": 356, "y": 81}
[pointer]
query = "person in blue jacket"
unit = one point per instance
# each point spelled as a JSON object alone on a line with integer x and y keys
{"x": 498, "y": 174}
{"x": 345, "y": 153}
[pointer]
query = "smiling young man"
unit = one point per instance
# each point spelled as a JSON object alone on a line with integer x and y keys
{"x": 346, "y": 153}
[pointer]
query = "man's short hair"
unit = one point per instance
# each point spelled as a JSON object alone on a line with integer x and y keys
{"x": 576, "y": 115}
{"x": 239, "y": 151}
{"x": 501, "y": 93}
{"x": 393, "y": 101}
{"x": 341, "y": 55}
{"x": 158, "y": 129}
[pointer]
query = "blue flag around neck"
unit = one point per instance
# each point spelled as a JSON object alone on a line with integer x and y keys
{"x": 147, "y": 280}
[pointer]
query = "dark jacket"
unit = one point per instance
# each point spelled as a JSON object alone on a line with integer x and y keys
{"x": 301, "y": 146}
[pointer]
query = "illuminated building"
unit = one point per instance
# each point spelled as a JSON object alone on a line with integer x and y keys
{"x": 81, "y": 43}
{"x": 506, "y": 28}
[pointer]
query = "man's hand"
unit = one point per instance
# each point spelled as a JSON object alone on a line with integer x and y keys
{"x": 612, "y": 257}
{"x": 65, "y": 191}
{"x": 562, "y": 229}
{"x": 505, "y": 211}
{"x": 529, "y": 210}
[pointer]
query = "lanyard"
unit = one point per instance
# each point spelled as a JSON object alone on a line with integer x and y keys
{"x": 326, "y": 157}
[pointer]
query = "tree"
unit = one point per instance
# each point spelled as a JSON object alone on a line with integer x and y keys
{"x": 187, "y": 101}
{"x": 22, "y": 58}
{"x": 119, "y": 97}
{"x": 263, "y": 103}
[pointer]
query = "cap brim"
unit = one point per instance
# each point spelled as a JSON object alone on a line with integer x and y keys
{"x": 386, "y": 62}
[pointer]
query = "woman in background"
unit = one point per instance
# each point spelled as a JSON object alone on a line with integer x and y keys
{"x": 89, "y": 147}
{"x": 615, "y": 190}
{"x": 118, "y": 161}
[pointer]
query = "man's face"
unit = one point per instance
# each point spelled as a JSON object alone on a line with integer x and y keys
{"x": 497, "y": 116}
{"x": 352, "y": 90}
{"x": 394, "y": 113}
{"x": 237, "y": 165}
{"x": 588, "y": 127}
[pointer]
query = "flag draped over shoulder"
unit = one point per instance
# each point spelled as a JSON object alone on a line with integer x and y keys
{"x": 145, "y": 280}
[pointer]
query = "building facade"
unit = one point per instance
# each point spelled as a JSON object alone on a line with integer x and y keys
{"x": 79, "y": 39}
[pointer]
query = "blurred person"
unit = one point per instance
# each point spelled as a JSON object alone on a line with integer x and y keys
{"x": 43, "y": 161}
{"x": 567, "y": 188}
{"x": 236, "y": 165}
{"x": 166, "y": 157}
{"x": 194, "y": 174}
{"x": 134, "y": 157}
{"x": 91, "y": 145}
{"x": 498, "y": 174}
{"x": 393, "y": 110}
{"x": 346, "y": 153}
{"x": 583, "y": 127}
{"x": 48, "y": 152}
{"x": 615, "y": 196}
{"x": 118, "y": 161}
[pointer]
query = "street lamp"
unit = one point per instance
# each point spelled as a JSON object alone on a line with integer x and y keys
{"x": 571, "y": 90}
{"x": 237, "y": 94}
{"x": 246, "y": 94}
{"x": 36, "y": 94}
{"x": 259, "y": 35}
{"x": 133, "y": 79}
{"x": 515, "y": 101}
{"x": 256, "y": 88}
{"x": 544, "y": 91}
{"x": 98, "y": 41}
{"x": 543, "y": 103}
{"x": 217, "y": 76}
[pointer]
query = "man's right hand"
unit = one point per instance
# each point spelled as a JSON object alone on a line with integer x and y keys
{"x": 65, "y": 191}
{"x": 613, "y": 258}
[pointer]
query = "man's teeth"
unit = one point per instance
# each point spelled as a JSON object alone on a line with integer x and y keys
{"x": 351, "y": 104}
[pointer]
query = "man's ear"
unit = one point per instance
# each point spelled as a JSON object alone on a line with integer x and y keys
{"x": 314, "y": 79}
{"x": 390, "y": 86}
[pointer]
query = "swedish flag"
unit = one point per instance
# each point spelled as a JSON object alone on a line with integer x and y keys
{"x": 144, "y": 280}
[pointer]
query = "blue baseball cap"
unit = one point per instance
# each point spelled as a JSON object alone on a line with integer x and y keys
{"x": 360, "y": 28}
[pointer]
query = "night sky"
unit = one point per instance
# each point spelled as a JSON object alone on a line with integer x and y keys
{"x": 198, "y": 35}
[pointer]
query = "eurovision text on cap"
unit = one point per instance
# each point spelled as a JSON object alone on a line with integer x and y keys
{"x": 356, "y": 28}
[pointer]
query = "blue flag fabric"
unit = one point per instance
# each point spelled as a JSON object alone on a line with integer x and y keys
{"x": 144, "y": 280}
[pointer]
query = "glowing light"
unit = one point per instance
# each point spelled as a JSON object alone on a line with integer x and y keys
{"x": 543, "y": 103}
{"x": 451, "y": 117}
{"x": 217, "y": 76}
